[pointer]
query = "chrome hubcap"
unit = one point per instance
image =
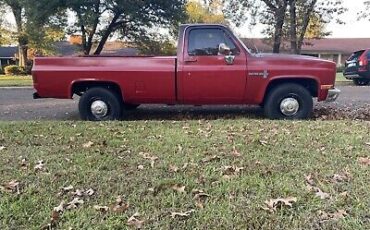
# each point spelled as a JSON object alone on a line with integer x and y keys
{"x": 99, "y": 109}
{"x": 289, "y": 106}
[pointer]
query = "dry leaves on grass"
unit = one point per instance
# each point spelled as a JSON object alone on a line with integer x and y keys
{"x": 147, "y": 156}
{"x": 200, "y": 198}
{"x": 235, "y": 153}
{"x": 231, "y": 171}
{"x": 173, "y": 169}
{"x": 182, "y": 214}
{"x": 333, "y": 216}
{"x": 118, "y": 207}
{"x": 75, "y": 203}
{"x": 2, "y": 148}
{"x": 311, "y": 186}
{"x": 364, "y": 161}
{"x": 135, "y": 222}
{"x": 211, "y": 158}
{"x": 12, "y": 186}
{"x": 40, "y": 166}
{"x": 88, "y": 145}
{"x": 274, "y": 204}
{"x": 179, "y": 188}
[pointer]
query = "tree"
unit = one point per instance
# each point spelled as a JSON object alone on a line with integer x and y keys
{"x": 365, "y": 14}
{"x": 32, "y": 19}
{"x": 295, "y": 16}
{"x": 98, "y": 20}
{"x": 209, "y": 12}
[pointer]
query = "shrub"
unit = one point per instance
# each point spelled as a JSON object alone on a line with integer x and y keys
{"x": 14, "y": 70}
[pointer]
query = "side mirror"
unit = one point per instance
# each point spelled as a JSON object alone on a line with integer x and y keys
{"x": 224, "y": 49}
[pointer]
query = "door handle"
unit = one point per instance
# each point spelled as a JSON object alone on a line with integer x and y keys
{"x": 191, "y": 60}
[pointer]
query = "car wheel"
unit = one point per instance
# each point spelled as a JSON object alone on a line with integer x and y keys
{"x": 361, "y": 81}
{"x": 100, "y": 104}
{"x": 131, "y": 106}
{"x": 288, "y": 101}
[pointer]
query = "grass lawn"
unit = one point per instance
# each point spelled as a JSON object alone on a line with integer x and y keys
{"x": 185, "y": 175}
{"x": 7, "y": 81}
{"x": 341, "y": 78}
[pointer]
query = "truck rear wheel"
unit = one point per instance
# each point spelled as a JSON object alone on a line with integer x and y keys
{"x": 288, "y": 101}
{"x": 100, "y": 104}
{"x": 361, "y": 81}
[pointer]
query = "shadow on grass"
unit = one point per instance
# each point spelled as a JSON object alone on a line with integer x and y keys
{"x": 177, "y": 113}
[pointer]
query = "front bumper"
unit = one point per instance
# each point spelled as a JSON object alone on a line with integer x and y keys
{"x": 333, "y": 95}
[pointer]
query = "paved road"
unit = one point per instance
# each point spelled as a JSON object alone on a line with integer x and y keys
{"x": 17, "y": 104}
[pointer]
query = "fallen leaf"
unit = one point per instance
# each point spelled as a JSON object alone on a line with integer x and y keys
{"x": 88, "y": 145}
{"x": 134, "y": 221}
{"x": 211, "y": 158}
{"x": 89, "y": 192}
{"x": 338, "y": 178}
{"x": 140, "y": 167}
{"x": 182, "y": 214}
{"x": 59, "y": 208}
{"x": 263, "y": 143}
{"x": 40, "y": 166}
{"x": 231, "y": 171}
{"x": 324, "y": 216}
{"x": 101, "y": 208}
{"x": 2, "y": 148}
{"x": 78, "y": 192}
{"x": 309, "y": 180}
{"x": 74, "y": 203}
{"x": 120, "y": 205}
{"x": 322, "y": 195}
{"x": 273, "y": 204}
{"x": 235, "y": 153}
{"x": 24, "y": 163}
{"x": 344, "y": 194}
{"x": 179, "y": 188}
{"x": 200, "y": 197}
{"x": 364, "y": 161}
{"x": 173, "y": 168}
{"x": 11, "y": 187}
{"x": 147, "y": 156}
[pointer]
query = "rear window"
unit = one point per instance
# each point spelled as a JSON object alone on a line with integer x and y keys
{"x": 356, "y": 55}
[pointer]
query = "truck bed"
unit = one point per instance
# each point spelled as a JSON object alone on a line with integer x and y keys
{"x": 144, "y": 79}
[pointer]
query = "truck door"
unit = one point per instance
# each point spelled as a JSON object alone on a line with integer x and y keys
{"x": 208, "y": 76}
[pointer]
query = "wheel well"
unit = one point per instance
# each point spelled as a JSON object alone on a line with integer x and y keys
{"x": 80, "y": 88}
{"x": 310, "y": 84}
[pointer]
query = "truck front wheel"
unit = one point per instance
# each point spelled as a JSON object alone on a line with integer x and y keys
{"x": 100, "y": 104}
{"x": 288, "y": 101}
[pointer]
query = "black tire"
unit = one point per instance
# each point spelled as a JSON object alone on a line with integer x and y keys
{"x": 111, "y": 100}
{"x": 361, "y": 81}
{"x": 293, "y": 93}
{"x": 131, "y": 106}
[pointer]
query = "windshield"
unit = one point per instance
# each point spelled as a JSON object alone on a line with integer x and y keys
{"x": 356, "y": 55}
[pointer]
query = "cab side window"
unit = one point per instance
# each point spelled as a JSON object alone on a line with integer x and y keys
{"x": 205, "y": 42}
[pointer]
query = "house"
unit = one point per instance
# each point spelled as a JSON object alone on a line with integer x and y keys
{"x": 333, "y": 49}
{"x": 8, "y": 55}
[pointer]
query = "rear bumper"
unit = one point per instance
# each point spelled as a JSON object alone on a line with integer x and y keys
{"x": 333, "y": 95}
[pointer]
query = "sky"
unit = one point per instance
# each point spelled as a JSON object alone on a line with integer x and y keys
{"x": 352, "y": 29}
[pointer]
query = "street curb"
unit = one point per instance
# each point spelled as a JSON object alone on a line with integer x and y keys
{"x": 16, "y": 87}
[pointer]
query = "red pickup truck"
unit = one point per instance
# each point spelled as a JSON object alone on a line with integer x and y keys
{"x": 212, "y": 67}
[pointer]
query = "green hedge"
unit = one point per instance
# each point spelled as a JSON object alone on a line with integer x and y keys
{"x": 14, "y": 70}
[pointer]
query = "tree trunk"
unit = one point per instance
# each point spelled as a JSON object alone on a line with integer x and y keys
{"x": 279, "y": 23}
{"x": 306, "y": 22}
{"x": 108, "y": 31}
{"x": 293, "y": 26}
{"x": 22, "y": 37}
